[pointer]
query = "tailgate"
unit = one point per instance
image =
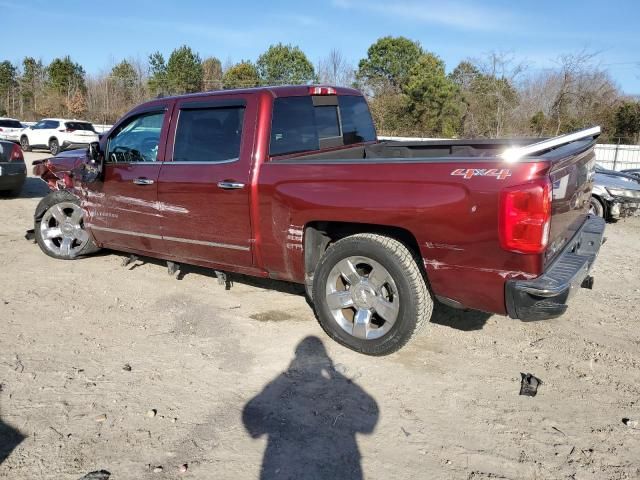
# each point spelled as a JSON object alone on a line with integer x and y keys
{"x": 572, "y": 177}
{"x": 572, "y": 173}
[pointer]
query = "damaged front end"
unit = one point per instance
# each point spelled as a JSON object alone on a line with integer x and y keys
{"x": 620, "y": 191}
{"x": 624, "y": 203}
{"x": 67, "y": 170}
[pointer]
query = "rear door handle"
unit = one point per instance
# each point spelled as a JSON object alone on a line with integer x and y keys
{"x": 143, "y": 181}
{"x": 228, "y": 185}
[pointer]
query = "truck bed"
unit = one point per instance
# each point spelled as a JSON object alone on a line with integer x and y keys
{"x": 445, "y": 194}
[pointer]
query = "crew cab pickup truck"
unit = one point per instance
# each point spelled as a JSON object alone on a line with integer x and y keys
{"x": 291, "y": 183}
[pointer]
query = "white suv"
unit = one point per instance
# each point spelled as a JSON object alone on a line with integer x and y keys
{"x": 57, "y": 134}
{"x": 10, "y": 129}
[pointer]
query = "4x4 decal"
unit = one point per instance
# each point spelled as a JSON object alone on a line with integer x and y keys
{"x": 468, "y": 173}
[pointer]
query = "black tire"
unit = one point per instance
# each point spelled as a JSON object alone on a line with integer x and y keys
{"x": 596, "y": 207}
{"x": 54, "y": 146}
{"x": 415, "y": 302}
{"x": 24, "y": 144}
{"x": 14, "y": 192}
{"x": 45, "y": 205}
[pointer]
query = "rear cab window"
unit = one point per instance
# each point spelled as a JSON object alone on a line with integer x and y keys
{"x": 310, "y": 123}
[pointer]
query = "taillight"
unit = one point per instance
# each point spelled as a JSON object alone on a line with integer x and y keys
{"x": 525, "y": 217}
{"x": 322, "y": 91}
{"x": 16, "y": 154}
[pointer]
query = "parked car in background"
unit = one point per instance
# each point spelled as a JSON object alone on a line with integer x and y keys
{"x": 13, "y": 171}
{"x": 615, "y": 194}
{"x": 632, "y": 171}
{"x": 57, "y": 134}
{"x": 10, "y": 129}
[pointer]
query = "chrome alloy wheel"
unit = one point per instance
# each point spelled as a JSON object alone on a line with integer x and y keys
{"x": 362, "y": 297}
{"x": 62, "y": 229}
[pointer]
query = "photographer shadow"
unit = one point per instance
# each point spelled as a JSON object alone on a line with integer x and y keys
{"x": 10, "y": 438}
{"x": 311, "y": 414}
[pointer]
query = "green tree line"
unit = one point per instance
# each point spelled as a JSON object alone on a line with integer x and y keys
{"x": 410, "y": 90}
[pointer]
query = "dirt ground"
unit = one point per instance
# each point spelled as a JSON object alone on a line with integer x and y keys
{"x": 243, "y": 384}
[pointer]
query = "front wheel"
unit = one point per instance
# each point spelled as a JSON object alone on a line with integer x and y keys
{"x": 370, "y": 295}
{"x": 596, "y": 207}
{"x": 60, "y": 231}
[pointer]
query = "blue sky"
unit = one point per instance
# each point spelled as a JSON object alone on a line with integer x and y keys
{"x": 98, "y": 34}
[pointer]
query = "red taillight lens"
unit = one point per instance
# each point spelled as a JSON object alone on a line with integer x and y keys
{"x": 16, "y": 154}
{"x": 525, "y": 217}
{"x": 322, "y": 91}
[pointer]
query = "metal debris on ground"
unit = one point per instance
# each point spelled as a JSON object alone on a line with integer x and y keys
{"x": 172, "y": 268}
{"x": 130, "y": 259}
{"x": 30, "y": 235}
{"x": 529, "y": 384}
{"x": 97, "y": 475}
{"x": 631, "y": 423}
{"x": 224, "y": 279}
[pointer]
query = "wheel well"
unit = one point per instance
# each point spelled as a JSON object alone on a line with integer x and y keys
{"x": 319, "y": 235}
{"x": 54, "y": 138}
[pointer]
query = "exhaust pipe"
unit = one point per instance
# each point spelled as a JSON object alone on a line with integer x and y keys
{"x": 587, "y": 282}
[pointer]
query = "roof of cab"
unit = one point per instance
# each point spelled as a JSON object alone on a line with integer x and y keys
{"x": 280, "y": 91}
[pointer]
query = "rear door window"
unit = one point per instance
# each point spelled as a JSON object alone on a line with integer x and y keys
{"x": 208, "y": 134}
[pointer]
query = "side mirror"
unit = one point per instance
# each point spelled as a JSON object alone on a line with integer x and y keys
{"x": 94, "y": 152}
{"x": 92, "y": 170}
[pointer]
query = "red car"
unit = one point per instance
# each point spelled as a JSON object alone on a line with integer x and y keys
{"x": 291, "y": 183}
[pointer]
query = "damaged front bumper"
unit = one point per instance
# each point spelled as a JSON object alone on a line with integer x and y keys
{"x": 546, "y": 296}
{"x": 622, "y": 208}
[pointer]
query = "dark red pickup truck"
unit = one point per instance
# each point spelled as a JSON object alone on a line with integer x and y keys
{"x": 291, "y": 183}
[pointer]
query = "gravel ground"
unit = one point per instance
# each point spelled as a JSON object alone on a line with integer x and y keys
{"x": 145, "y": 376}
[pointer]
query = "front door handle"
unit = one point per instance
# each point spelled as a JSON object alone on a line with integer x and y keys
{"x": 229, "y": 185}
{"x": 143, "y": 181}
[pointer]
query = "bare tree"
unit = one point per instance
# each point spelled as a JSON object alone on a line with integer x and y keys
{"x": 336, "y": 70}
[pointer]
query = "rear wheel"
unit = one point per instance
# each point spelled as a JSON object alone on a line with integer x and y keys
{"x": 54, "y": 146}
{"x": 596, "y": 207}
{"x": 24, "y": 144}
{"x": 370, "y": 294}
{"x": 60, "y": 230}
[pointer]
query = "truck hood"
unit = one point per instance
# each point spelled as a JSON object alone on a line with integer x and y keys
{"x": 616, "y": 180}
